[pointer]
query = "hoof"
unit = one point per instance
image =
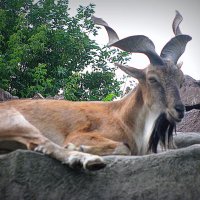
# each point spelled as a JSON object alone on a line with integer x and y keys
{"x": 95, "y": 165}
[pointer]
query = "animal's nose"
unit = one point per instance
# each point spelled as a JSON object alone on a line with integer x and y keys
{"x": 180, "y": 108}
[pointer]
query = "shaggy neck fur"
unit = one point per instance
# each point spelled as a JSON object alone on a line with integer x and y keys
{"x": 148, "y": 126}
{"x": 139, "y": 118}
{"x": 162, "y": 132}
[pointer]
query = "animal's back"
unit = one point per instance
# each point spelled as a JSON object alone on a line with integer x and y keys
{"x": 57, "y": 118}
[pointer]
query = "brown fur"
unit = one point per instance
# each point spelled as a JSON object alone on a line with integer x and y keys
{"x": 68, "y": 131}
{"x": 72, "y": 131}
{"x": 76, "y": 122}
{"x": 101, "y": 128}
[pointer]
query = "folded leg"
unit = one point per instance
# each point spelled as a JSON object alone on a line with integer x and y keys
{"x": 94, "y": 143}
{"x": 14, "y": 127}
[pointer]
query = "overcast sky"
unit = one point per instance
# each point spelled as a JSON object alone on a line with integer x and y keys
{"x": 152, "y": 18}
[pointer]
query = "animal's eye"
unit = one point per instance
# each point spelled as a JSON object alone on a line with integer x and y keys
{"x": 152, "y": 80}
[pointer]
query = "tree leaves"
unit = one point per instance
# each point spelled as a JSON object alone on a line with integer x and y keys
{"x": 44, "y": 49}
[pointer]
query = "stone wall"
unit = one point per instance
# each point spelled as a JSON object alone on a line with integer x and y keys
{"x": 190, "y": 95}
{"x": 173, "y": 175}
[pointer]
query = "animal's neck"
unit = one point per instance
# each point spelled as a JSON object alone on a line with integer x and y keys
{"x": 139, "y": 117}
{"x": 131, "y": 105}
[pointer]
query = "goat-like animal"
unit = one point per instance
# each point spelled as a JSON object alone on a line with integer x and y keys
{"x": 72, "y": 131}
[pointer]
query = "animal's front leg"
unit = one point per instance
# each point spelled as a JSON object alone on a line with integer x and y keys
{"x": 14, "y": 127}
{"x": 94, "y": 143}
{"x": 72, "y": 158}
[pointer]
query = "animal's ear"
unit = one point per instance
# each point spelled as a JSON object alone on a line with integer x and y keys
{"x": 134, "y": 72}
{"x": 179, "y": 65}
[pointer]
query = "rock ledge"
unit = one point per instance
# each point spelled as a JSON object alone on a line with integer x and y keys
{"x": 171, "y": 175}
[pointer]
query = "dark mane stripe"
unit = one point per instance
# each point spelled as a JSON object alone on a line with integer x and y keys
{"x": 162, "y": 132}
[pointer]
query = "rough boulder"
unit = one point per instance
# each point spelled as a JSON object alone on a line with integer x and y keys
{"x": 171, "y": 175}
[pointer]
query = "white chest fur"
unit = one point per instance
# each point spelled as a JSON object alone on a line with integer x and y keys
{"x": 147, "y": 120}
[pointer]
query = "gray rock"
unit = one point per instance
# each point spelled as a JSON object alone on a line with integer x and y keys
{"x": 190, "y": 91}
{"x": 190, "y": 95}
{"x": 172, "y": 175}
{"x": 191, "y": 122}
{"x": 4, "y": 95}
{"x": 186, "y": 139}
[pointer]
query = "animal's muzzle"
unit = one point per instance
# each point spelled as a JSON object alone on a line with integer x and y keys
{"x": 180, "y": 109}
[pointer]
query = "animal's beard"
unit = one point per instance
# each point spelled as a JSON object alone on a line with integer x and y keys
{"x": 162, "y": 133}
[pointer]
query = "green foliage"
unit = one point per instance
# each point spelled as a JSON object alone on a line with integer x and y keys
{"x": 44, "y": 49}
{"x": 109, "y": 97}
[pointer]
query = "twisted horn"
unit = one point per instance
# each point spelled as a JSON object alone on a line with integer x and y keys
{"x": 112, "y": 35}
{"x": 175, "y": 25}
{"x": 175, "y": 48}
{"x": 140, "y": 44}
{"x": 135, "y": 44}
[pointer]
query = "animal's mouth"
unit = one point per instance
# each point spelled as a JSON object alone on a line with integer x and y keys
{"x": 175, "y": 117}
